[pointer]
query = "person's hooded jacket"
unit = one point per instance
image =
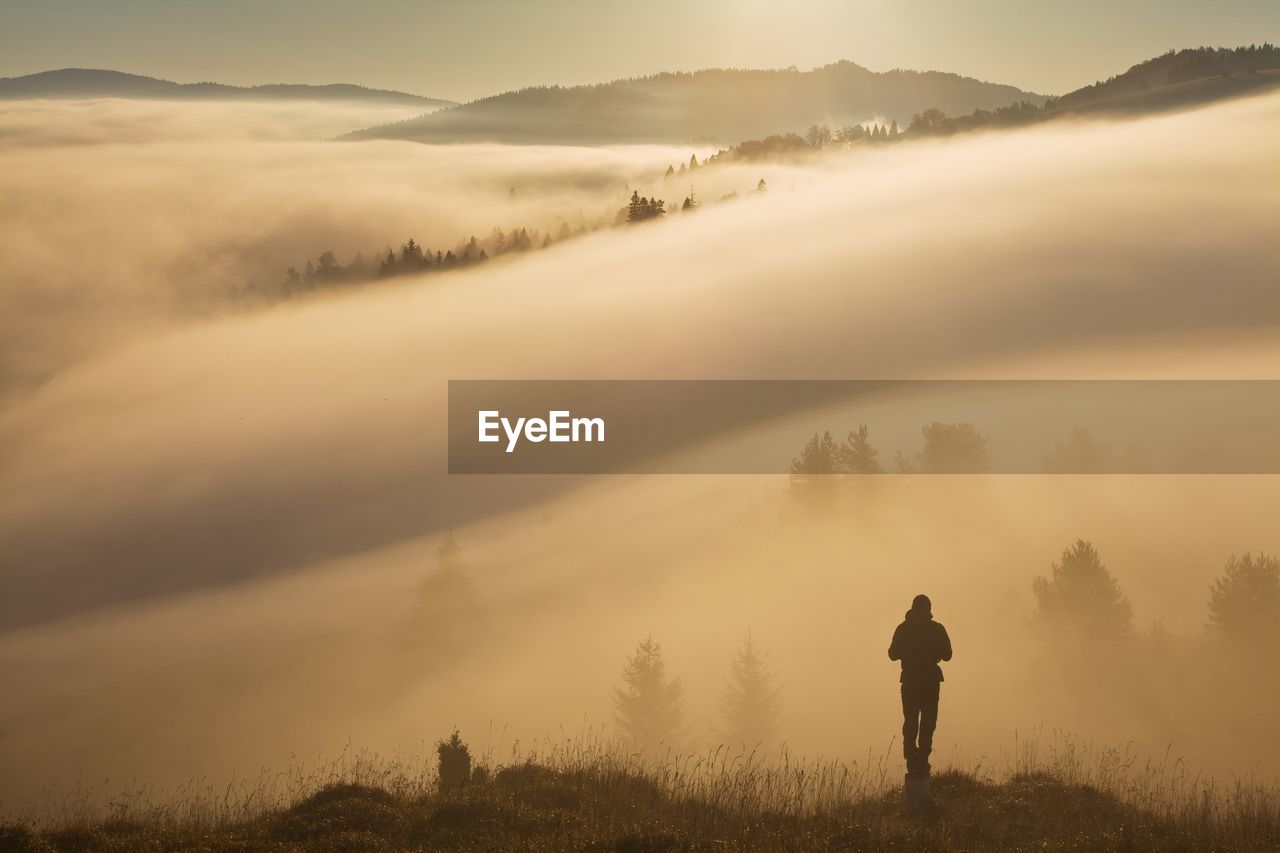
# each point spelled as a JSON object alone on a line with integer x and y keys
{"x": 920, "y": 643}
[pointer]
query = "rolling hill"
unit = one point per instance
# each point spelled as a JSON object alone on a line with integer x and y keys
{"x": 601, "y": 807}
{"x": 1166, "y": 77}
{"x": 1173, "y": 81}
{"x": 96, "y": 83}
{"x": 715, "y": 105}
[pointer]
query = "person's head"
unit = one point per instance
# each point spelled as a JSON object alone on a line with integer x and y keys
{"x": 922, "y": 606}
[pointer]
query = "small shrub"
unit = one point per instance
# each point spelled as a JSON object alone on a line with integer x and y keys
{"x": 455, "y": 763}
{"x": 340, "y": 808}
{"x": 19, "y": 838}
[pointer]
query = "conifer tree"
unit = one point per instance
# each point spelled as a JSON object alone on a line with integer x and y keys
{"x": 810, "y": 472}
{"x": 751, "y": 702}
{"x": 857, "y": 456}
{"x": 1081, "y": 600}
{"x": 1244, "y": 602}
{"x": 648, "y": 706}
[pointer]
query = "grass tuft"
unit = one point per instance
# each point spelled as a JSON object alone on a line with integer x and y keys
{"x": 590, "y": 797}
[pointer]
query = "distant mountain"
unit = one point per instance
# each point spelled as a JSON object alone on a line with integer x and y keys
{"x": 93, "y": 83}
{"x": 1176, "y": 76}
{"x": 715, "y": 105}
{"x": 1176, "y": 80}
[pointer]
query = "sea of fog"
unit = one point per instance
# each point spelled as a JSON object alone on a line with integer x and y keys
{"x": 215, "y": 520}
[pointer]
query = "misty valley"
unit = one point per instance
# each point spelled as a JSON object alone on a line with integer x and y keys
{"x": 247, "y": 606}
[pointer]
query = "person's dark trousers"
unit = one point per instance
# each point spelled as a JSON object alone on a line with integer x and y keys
{"x": 919, "y": 719}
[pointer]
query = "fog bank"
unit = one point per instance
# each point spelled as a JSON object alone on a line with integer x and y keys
{"x": 212, "y": 524}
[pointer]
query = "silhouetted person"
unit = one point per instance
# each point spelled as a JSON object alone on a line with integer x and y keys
{"x": 920, "y": 643}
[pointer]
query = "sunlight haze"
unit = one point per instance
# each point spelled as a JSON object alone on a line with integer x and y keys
{"x": 462, "y": 51}
{"x": 928, "y": 484}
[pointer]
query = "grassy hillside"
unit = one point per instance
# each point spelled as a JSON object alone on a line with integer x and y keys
{"x": 95, "y": 83}
{"x": 606, "y": 806}
{"x": 712, "y": 105}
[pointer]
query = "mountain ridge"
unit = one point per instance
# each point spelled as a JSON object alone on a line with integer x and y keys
{"x": 712, "y": 104}
{"x": 1172, "y": 68}
{"x": 66, "y": 83}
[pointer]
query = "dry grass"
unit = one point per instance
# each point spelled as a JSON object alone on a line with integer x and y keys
{"x": 1057, "y": 794}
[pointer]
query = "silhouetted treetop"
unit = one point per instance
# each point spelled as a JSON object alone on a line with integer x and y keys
{"x": 648, "y": 706}
{"x": 751, "y": 702}
{"x": 1244, "y": 602}
{"x": 1079, "y": 453}
{"x": 950, "y": 448}
{"x": 857, "y": 456}
{"x": 641, "y": 209}
{"x": 1081, "y": 600}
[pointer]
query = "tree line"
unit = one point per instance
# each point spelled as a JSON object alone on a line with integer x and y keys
{"x": 649, "y": 703}
{"x": 414, "y": 259}
{"x": 327, "y": 272}
{"x": 1079, "y": 605}
{"x": 1080, "y": 610}
{"x": 948, "y": 448}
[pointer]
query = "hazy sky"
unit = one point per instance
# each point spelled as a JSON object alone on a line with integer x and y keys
{"x": 468, "y": 49}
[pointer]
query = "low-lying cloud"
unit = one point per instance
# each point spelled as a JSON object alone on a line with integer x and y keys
{"x": 149, "y": 449}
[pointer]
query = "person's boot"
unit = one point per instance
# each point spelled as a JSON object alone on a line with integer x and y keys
{"x": 916, "y": 785}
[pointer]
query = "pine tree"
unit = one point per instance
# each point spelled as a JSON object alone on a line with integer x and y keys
{"x": 820, "y": 455}
{"x": 648, "y": 705}
{"x": 751, "y": 702}
{"x": 810, "y": 472}
{"x": 454, "y": 762}
{"x": 410, "y": 256}
{"x": 1244, "y": 602}
{"x": 1079, "y": 453}
{"x": 328, "y": 270}
{"x": 640, "y": 208}
{"x": 357, "y": 270}
{"x": 954, "y": 448}
{"x": 1081, "y": 600}
{"x": 857, "y": 456}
